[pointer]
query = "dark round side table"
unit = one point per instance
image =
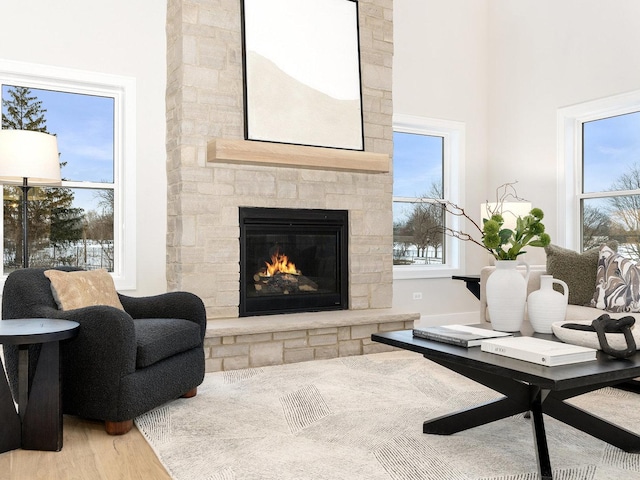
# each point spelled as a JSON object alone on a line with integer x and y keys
{"x": 37, "y": 425}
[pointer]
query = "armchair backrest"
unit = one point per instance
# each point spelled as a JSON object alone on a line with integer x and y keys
{"x": 27, "y": 294}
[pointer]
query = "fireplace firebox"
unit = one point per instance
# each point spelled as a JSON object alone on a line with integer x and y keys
{"x": 292, "y": 260}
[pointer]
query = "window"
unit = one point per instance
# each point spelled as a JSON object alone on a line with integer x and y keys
{"x": 600, "y": 142}
{"x": 427, "y": 169}
{"x": 83, "y": 222}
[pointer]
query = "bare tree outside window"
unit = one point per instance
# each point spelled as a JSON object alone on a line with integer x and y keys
{"x": 610, "y": 198}
{"x": 418, "y": 218}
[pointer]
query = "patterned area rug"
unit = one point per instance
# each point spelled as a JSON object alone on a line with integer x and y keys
{"x": 361, "y": 418}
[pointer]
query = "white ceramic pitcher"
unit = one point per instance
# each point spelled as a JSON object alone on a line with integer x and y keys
{"x": 546, "y": 306}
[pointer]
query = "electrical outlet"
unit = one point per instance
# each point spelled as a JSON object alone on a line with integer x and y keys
{"x": 417, "y": 295}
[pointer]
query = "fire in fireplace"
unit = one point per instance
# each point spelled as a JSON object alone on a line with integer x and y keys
{"x": 292, "y": 260}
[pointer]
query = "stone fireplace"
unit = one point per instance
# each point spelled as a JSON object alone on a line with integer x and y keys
{"x": 212, "y": 172}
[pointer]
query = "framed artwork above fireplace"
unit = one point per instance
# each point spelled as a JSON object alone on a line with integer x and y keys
{"x": 301, "y": 62}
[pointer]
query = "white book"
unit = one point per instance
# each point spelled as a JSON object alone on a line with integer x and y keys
{"x": 538, "y": 350}
{"x": 462, "y": 335}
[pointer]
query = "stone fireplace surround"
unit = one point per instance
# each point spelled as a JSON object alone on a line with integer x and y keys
{"x": 212, "y": 171}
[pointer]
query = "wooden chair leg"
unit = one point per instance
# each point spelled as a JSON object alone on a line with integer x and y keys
{"x": 191, "y": 393}
{"x": 118, "y": 428}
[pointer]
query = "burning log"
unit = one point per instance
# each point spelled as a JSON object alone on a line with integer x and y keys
{"x": 284, "y": 283}
{"x": 282, "y": 276}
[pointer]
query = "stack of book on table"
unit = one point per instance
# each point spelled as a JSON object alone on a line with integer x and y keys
{"x": 529, "y": 349}
{"x": 538, "y": 350}
{"x": 461, "y": 335}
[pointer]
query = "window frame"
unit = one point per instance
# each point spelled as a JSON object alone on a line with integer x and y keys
{"x": 453, "y": 134}
{"x": 123, "y": 90}
{"x": 570, "y": 168}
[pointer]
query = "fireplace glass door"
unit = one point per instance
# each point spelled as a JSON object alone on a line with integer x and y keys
{"x": 292, "y": 260}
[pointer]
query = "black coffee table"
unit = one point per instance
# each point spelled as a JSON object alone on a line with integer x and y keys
{"x": 37, "y": 425}
{"x": 527, "y": 388}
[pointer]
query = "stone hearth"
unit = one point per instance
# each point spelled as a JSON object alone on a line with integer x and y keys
{"x": 234, "y": 343}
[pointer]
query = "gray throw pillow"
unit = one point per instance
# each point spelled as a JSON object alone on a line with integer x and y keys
{"x": 577, "y": 270}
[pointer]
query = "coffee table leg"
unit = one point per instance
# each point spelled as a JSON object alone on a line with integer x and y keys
{"x": 472, "y": 417}
{"x": 540, "y": 438}
{"x": 42, "y": 423}
{"x": 591, "y": 424}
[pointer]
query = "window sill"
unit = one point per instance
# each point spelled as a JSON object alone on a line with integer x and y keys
{"x": 411, "y": 272}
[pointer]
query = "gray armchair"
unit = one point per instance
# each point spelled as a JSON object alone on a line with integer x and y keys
{"x": 122, "y": 363}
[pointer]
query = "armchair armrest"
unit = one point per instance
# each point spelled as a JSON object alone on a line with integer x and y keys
{"x": 106, "y": 340}
{"x": 183, "y": 305}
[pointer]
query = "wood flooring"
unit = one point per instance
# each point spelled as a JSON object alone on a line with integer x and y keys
{"x": 88, "y": 453}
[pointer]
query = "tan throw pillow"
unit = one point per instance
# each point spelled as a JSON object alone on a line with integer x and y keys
{"x": 617, "y": 283}
{"x": 80, "y": 289}
{"x": 577, "y": 270}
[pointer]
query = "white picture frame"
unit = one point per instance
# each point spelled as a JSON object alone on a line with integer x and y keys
{"x": 302, "y": 72}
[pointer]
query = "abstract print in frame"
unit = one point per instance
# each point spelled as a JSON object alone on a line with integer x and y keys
{"x": 302, "y": 72}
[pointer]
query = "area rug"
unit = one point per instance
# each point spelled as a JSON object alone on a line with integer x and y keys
{"x": 361, "y": 418}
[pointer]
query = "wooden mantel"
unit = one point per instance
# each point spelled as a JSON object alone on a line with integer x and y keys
{"x": 285, "y": 155}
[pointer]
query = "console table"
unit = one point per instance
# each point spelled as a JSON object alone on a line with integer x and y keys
{"x": 526, "y": 387}
{"x": 472, "y": 283}
{"x": 37, "y": 425}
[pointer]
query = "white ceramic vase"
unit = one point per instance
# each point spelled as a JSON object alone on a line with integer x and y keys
{"x": 507, "y": 295}
{"x": 546, "y": 306}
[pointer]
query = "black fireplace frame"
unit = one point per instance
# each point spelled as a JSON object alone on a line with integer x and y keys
{"x": 303, "y": 221}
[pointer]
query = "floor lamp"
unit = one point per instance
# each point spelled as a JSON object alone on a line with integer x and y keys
{"x": 28, "y": 158}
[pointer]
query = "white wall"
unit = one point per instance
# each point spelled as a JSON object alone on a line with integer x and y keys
{"x": 505, "y": 67}
{"x": 440, "y": 70}
{"x": 119, "y": 37}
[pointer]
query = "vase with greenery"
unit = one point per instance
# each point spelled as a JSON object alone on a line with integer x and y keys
{"x": 506, "y": 288}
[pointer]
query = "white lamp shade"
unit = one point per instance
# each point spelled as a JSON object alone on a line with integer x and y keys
{"x": 31, "y": 155}
{"x": 510, "y": 212}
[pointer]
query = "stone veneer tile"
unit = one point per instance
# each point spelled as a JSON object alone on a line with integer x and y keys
{"x": 329, "y": 339}
{"x": 349, "y": 348}
{"x": 297, "y": 342}
{"x": 390, "y": 327}
{"x": 254, "y": 338}
{"x": 214, "y": 365}
{"x": 235, "y": 363}
{"x": 230, "y": 350}
{"x": 263, "y": 354}
{"x": 363, "y": 331}
{"x": 344, "y": 333}
{"x": 323, "y": 331}
{"x": 298, "y": 355}
{"x": 289, "y": 335}
{"x": 324, "y": 353}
